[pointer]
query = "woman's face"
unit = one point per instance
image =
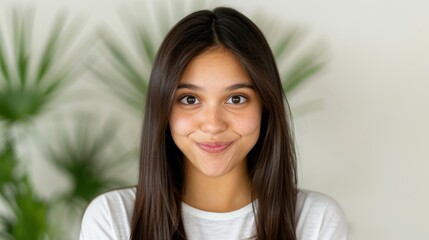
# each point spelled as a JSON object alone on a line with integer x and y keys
{"x": 216, "y": 115}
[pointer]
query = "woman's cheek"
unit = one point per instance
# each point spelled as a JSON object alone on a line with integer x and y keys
{"x": 249, "y": 125}
{"x": 181, "y": 125}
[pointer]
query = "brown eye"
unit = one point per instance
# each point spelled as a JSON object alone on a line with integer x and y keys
{"x": 236, "y": 99}
{"x": 189, "y": 100}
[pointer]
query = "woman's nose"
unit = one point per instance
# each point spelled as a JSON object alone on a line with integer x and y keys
{"x": 213, "y": 120}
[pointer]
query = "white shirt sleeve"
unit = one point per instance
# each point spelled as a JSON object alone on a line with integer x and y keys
{"x": 108, "y": 216}
{"x": 320, "y": 218}
{"x": 95, "y": 221}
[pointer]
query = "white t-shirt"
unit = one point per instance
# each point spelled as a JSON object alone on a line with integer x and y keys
{"x": 318, "y": 217}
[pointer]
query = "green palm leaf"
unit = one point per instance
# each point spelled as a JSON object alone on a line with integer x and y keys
{"x": 25, "y": 92}
{"x": 301, "y": 71}
{"x": 87, "y": 157}
{"x": 29, "y": 213}
{"x": 8, "y": 163}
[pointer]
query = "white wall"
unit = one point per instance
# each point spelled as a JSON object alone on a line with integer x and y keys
{"x": 365, "y": 146}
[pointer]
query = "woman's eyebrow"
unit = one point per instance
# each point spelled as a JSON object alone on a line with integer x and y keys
{"x": 230, "y": 88}
{"x": 240, "y": 85}
{"x": 189, "y": 86}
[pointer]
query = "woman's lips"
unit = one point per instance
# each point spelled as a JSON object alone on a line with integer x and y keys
{"x": 215, "y": 147}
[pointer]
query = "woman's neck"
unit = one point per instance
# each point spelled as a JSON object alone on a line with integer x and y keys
{"x": 217, "y": 194}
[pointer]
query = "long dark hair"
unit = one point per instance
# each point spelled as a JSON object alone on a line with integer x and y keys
{"x": 271, "y": 162}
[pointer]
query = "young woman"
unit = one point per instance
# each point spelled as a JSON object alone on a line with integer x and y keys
{"x": 217, "y": 156}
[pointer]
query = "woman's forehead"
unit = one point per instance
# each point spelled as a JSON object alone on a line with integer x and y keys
{"x": 216, "y": 65}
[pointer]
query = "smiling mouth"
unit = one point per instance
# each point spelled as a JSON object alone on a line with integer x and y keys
{"x": 215, "y": 147}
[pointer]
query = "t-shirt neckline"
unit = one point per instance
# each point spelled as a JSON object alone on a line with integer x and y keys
{"x": 216, "y": 216}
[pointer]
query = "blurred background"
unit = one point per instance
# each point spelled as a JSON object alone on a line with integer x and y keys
{"x": 73, "y": 76}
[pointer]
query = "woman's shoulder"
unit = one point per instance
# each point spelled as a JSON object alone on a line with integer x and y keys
{"x": 113, "y": 202}
{"x": 123, "y": 195}
{"x": 109, "y": 215}
{"x": 319, "y": 217}
{"x": 312, "y": 199}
